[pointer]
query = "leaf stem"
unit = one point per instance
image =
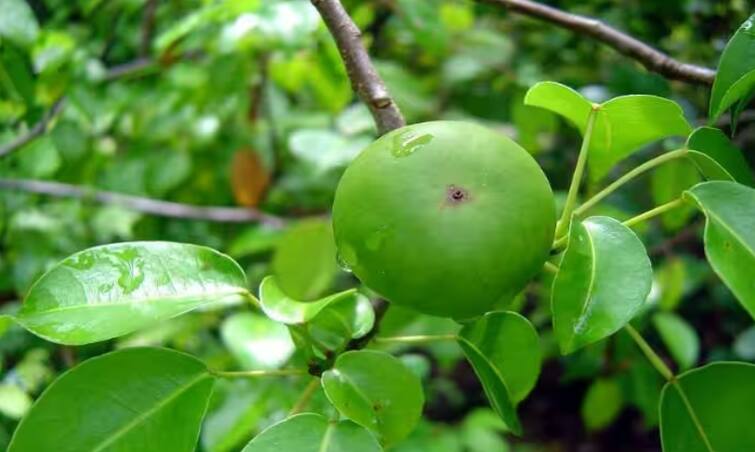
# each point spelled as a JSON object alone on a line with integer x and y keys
{"x": 571, "y": 197}
{"x": 416, "y": 339}
{"x": 650, "y": 164}
{"x": 305, "y": 397}
{"x": 258, "y": 373}
{"x": 664, "y": 370}
{"x": 651, "y": 355}
{"x": 653, "y": 212}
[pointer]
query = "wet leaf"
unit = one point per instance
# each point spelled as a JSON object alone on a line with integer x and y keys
{"x": 282, "y": 308}
{"x": 111, "y": 290}
{"x": 604, "y": 279}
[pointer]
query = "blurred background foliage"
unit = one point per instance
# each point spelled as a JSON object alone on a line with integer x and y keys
{"x": 246, "y": 103}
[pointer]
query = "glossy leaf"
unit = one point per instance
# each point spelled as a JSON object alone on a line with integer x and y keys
{"x": 144, "y": 399}
{"x": 721, "y": 396}
{"x": 735, "y": 77}
{"x": 604, "y": 278}
{"x": 602, "y": 404}
{"x": 623, "y": 125}
{"x": 344, "y": 319}
{"x": 281, "y": 308}
{"x": 717, "y": 158}
{"x": 256, "y": 341}
{"x": 108, "y": 291}
{"x": 680, "y": 338}
{"x": 304, "y": 262}
{"x": 376, "y": 390}
{"x": 729, "y": 234}
{"x": 504, "y": 350}
{"x": 310, "y": 432}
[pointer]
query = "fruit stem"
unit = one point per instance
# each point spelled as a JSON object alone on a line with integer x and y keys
{"x": 571, "y": 197}
{"x": 258, "y": 373}
{"x": 664, "y": 370}
{"x": 416, "y": 339}
{"x": 653, "y": 212}
{"x": 650, "y": 164}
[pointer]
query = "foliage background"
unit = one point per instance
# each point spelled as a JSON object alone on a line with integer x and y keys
{"x": 245, "y": 102}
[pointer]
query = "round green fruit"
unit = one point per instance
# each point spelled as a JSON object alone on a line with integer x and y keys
{"x": 444, "y": 217}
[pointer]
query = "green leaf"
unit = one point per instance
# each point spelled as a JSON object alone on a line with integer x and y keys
{"x": 721, "y": 396}
{"x": 145, "y": 399}
{"x": 671, "y": 277}
{"x": 342, "y": 320}
{"x": 717, "y": 158}
{"x": 310, "y": 432}
{"x": 504, "y": 350}
{"x": 604, "y": 279}
{"x": 108, "y": 291}
{"x": 282, "y": 308}
{"x": 623, "y": 124}
{"x": 376, "y": 390}
{"x": 729, "y": 234}
{"x": 305, "y": 259}
{"x": 17, "y": 23}
{"x": 602, "y": 404}
{"x": 735, "y": 77}
{"x": 680, "y": 338}
{"x": 256, "y": 341}
{"x": 668, "y": 182}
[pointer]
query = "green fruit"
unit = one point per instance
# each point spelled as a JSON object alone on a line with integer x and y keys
{"x": 444, "y": 217}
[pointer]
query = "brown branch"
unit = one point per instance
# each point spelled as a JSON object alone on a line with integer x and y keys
{"x": 625, "y": 44}
{"x": 148, "y": 27}
{"x": 141, "y": 204}
{"x": 365, "y": 81}
{"x": 37, "y": 129}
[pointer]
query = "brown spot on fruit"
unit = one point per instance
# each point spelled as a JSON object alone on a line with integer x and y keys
{"x": 456, "y": 195}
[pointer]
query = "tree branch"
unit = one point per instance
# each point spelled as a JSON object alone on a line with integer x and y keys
{"x": 37, "y": 129}
{"x": 365, "y": 81}
{"x": 625, "y": 44}
{"x": 148, "y": 27}
{"x": 144, "y": 205}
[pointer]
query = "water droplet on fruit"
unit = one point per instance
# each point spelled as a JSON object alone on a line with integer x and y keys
{"x": 408, "y": 141}
{"x": 347, "y": 258}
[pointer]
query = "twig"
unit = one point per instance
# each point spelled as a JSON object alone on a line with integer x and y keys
{"x": 365, "y": 80}
{"x": 142, "y": 204}
{"x": 36, "y": 130}
{"x": 148, "y": 26}
{"x": 653, "y": 59}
